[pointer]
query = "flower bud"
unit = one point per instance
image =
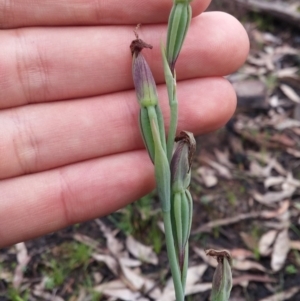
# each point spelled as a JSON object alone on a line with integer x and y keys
{"x": 222, "y": 279}
{"x": 143, "y": 80}
{"x": 146, "y": 92}
{"x": 181, "y": 161}
{"x": 182, "y": 204}
{"x": 178, "y": 24}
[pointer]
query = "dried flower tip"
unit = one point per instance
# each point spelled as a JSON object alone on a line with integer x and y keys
{"x": 218, "y": 254}
{"x": 136, "y": 29}
{"x": 137, "y": 46}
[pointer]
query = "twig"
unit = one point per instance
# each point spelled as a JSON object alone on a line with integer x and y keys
{"x": 226, "y": 221}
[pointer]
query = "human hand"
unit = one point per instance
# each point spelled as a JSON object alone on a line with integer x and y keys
{"x": 70, "y": 146}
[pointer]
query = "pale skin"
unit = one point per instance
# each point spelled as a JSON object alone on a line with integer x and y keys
{"x": 70, "y": 147}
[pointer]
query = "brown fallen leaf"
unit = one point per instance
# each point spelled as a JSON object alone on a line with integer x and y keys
{"x": 293, "y": 152}
{"x": 279, "y": 168}
{"x": 115, "y": 246}
{"x": 251, "y": 277}
{"x": 280, "y": 250}
{"x": 140, "y": 251}
{"x": 286, "y": 72}
{"x": 117, "y": 289}
{"x": 291, "y": 181}
{"x": 295, "y": 245}
{"x": 273, "y": 181}
{"x": 133, "y": 280}
{"x": 287, "y": 123}
{"x": 208, "y": 176}
{"x": 283, "y": 139}
{"x": 130, "y": 262}
{"x": 86, "y": 240}
{"x": 231, "y": 220}
{"x": 98, "y": 277}
{"x": 22, "y": 258}
{"x": 195, "y": 273}
{"x": 223, "y": 157}
{"x": 287, "y": 294}
{"x": 258, "y": 61}
{"x": 256, "y": 170}
{"x": 109, "y": 260}
{"x": 266, "y": 241}
{"x": 245, "y": 265}
{"x": 249, "y": 240}
{"x": 297, "y": 131}
{"x": 46, "y": 296}
{"x": 290, "y": 93}
{"x": 266, "y": 158}
{"x": 194, "y": 276}
{"x": 207, "y": 259}
{"x": 281, "y": 210}
{"x": 286, "y": 49}
{"x": 222, "y": 170}
{"x": 267, "y": 214}
{"x": 270, "y": 198}
{"x": 241, "y": 254}
{"x": 6, "y": 275}
{"x": 225, "y": 221}
{"x": 261, "y": 139}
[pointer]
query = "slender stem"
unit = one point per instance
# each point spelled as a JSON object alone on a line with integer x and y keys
{"x": 170, "y": 79}
{"x": 185, "y": 266}
{"x": 173, "y": 125}
{"x": 179, "y": 293}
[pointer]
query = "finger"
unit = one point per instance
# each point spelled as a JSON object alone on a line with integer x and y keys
{"x": 20, "y": 13}
{"x": 45, "y": 136}
{"x": 37, "y": 204}
{"x": 52, "y": 64}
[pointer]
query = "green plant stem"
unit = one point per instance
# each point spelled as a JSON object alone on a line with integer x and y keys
{"x": 179, "y": 293}
{"x": 162, "y": 174}
{"x": 173, "y": 104}
{"x": 185, "y": 266}
{"x": 173, "y": 125}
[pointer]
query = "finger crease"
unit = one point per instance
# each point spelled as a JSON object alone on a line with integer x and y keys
{"x": 32, "y": 69}
{"x": 25, "y": 145}
{"x": 65, "y": 194}
{"x": 20, "y": 63}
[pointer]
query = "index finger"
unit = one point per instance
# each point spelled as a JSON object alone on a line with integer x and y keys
{"x": 20, "y": 13}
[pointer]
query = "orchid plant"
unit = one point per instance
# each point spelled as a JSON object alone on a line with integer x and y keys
{"x": 172, "y": 164}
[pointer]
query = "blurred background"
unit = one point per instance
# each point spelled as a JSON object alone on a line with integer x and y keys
{"x": 246, "y": 190}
